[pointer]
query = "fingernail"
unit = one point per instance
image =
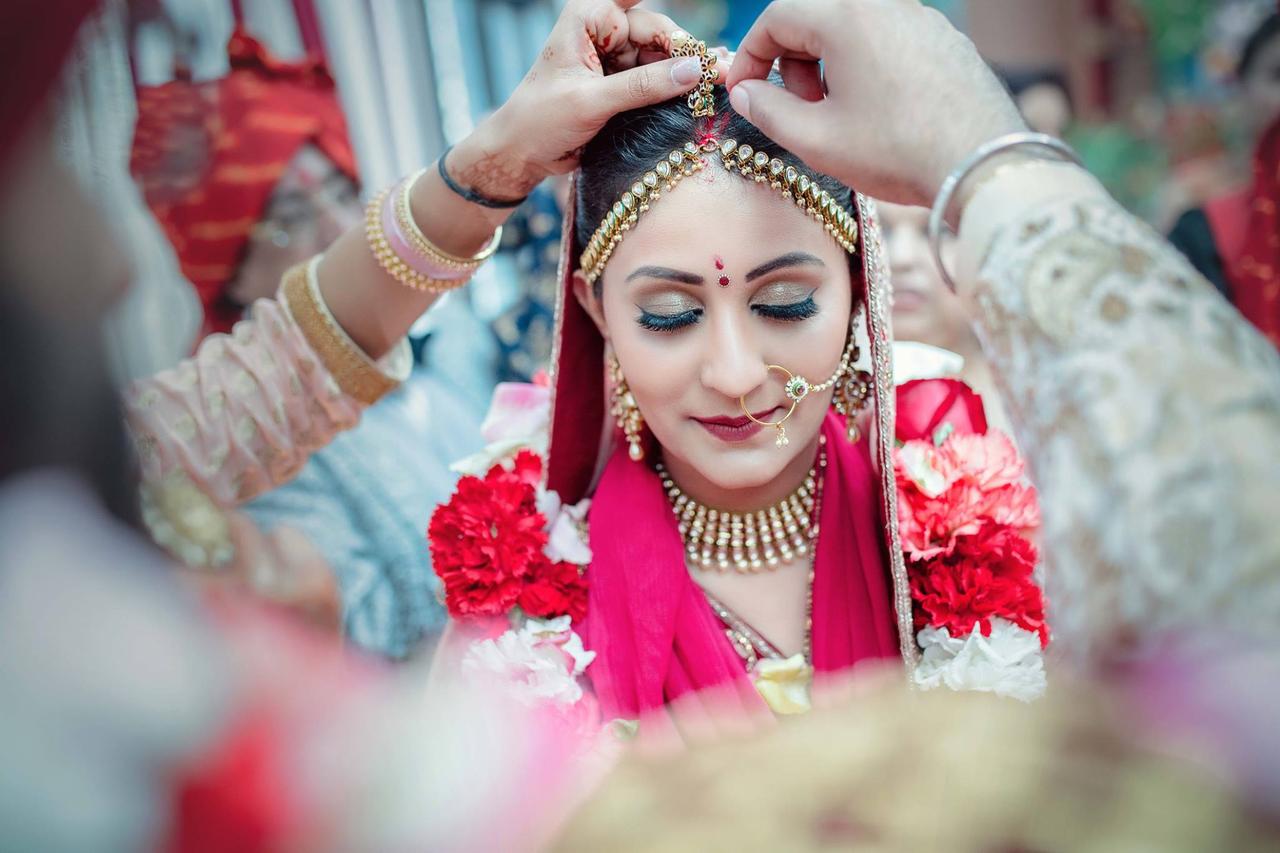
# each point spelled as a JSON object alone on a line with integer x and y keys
{"x": 687, "y": 71}
{"x": 740, "y": 101}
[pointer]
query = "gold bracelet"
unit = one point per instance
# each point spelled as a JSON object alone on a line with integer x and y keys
{"x": 404, "y": 216}
{"x": 356, "y": 374}
{"x": 392, "y": 264}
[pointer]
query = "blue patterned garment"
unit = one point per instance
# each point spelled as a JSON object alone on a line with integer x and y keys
{"x": 366, "y": 499}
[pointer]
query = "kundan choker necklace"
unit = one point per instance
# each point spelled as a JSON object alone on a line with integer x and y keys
{"x": 748, "y": 541}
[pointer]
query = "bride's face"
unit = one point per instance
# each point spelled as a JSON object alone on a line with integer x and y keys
{"x": 720, "y": 278}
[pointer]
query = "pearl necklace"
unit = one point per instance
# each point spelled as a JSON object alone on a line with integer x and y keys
{"x": 746, "y": 541}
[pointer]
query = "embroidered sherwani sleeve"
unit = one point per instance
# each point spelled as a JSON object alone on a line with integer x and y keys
{"x": 1149, "y": 411}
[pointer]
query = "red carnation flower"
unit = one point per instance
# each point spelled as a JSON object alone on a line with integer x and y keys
{"x": 489, "y": 538}
{"x": 555, "y": 589}
{"x": 950, "y": 491}
{"x": 986, "y": 574}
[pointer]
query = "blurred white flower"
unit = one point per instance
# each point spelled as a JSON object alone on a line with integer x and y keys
{"x": 1008, "y": 663}
{"x": 540, "y": 661}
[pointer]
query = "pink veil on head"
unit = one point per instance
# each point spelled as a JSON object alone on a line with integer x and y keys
{"x": 653, "y": 633}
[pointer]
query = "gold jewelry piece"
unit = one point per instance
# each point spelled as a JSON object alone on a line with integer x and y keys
{"x": 392, "y": 264}
{"x": 701, "y": 101}
{"x": 668, "y": 172}
{"x": 453, "y": 270}
{"x": 852, "y": 396}
{"x": 404, "y": 216}
{"x": 356, "y": 374}
{"x": 741, "y": 159}
{"x": 623, "y": 407}
{"x": 795, "y": 186}
{"x": 792, "y": 379}
{"x": 797, "y": 388}
{"x": 757, "y": 165}
{"x": 745, "y": 541}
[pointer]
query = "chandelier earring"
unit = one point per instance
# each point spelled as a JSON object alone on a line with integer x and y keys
{"x": 852, "y": 392}
{"x": 624, "y": 409}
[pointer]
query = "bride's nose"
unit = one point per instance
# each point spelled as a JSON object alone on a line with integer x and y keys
{"x": 732, "y": 365}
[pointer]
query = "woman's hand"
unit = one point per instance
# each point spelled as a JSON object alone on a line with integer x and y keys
{"x": 603, "y": 57}
{"x": 901, "y": 100}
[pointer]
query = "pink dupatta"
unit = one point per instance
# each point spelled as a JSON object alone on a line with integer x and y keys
{"x": 656, "y": 637}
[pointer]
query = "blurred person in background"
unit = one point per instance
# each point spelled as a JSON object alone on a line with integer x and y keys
{"x": 247, "y": 175}
{"x": 250, "y": 175}
{"x": 1043, "y": 98}
{"x": 926, "y": 312}
{"x": 1232, "y": 240}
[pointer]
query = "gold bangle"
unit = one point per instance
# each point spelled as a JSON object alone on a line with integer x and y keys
{"x": 356, "y": 374}
{"x": 404, "y": 216}
{"x": 391, "y": 263}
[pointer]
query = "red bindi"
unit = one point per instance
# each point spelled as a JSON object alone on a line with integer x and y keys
{"x": 724, "y": 279}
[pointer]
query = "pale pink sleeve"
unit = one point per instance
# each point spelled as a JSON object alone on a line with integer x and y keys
{"x": 244, "y": 413}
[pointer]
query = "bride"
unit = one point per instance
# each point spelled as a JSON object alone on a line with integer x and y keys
{"x": 760, "y": 514}
{"x": 742, "y": 518}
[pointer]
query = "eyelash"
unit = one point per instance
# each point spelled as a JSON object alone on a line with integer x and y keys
{"x": 801, "y": 310}
{"x": 668, "y": 323}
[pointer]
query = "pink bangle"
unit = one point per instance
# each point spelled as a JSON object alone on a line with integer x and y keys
{"x": 405, "y": 253}
{"x": 414, "y": 259}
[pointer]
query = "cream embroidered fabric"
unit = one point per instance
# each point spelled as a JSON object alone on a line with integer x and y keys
{"x": 1150, "y": 414}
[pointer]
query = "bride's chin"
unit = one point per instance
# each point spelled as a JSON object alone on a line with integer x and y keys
{"x": 742, "y": 468}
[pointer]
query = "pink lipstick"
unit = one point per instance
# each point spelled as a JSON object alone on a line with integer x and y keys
{"x": 736, "y": 429}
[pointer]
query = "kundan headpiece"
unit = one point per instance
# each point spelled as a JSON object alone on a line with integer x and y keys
{"x": 682, "y": 162}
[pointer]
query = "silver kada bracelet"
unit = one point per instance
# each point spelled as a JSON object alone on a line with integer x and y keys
{"x": 982, "y": 154}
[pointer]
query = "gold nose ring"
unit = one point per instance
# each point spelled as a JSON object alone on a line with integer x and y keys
{"x": 796, "y": 389}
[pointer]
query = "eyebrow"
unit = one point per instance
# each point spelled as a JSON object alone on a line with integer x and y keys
{"x": 790, "y": 259}
{"x": 666, "y": 273}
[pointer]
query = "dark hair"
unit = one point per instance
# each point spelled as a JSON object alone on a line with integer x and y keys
{"x": 1261, "y": 37}
{"x": 633, "y": 142}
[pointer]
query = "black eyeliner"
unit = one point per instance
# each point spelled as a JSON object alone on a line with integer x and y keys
{"x": 801, "y": 310}
{"x": 668, "y": 323}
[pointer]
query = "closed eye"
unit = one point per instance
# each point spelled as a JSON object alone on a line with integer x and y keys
{"x": 802, "y": 310}
{"x": 668, "y": 322}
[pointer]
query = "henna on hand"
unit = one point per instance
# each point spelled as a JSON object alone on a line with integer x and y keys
{"x": 492, "y": 175}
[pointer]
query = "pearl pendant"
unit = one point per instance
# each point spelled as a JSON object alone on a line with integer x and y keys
{"x": 782, "y": 440}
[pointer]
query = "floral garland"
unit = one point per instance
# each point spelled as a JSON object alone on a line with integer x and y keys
{"x": 964, "y": 515}
{"x": 511, "y": 556}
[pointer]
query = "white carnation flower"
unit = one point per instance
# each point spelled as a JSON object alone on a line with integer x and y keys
{"x": 1008, "y": 663}
{"x": 540, "y": 662}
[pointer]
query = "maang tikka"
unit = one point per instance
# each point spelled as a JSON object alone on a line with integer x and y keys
{"x": 624, "y": 409}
